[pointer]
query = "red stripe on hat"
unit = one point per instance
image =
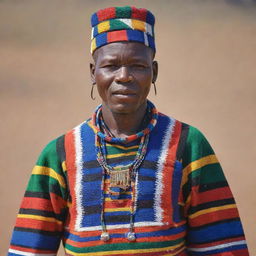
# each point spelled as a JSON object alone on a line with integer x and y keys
{"x": 106, "y": 14}
{"x": 140, "y": 14}
{"x": 115, "y": 36}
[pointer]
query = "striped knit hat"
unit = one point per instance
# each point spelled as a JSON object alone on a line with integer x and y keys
{"x": 126, "y": 23}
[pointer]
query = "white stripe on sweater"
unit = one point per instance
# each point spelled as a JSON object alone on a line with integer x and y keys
{"x": 78, "y": 184}
{"x": 29, "y": 253}
{"x": 216, "y": 247}
{"x": 159, "y": 175}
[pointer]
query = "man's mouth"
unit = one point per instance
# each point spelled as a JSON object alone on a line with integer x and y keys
{"x": 124, "y": 93}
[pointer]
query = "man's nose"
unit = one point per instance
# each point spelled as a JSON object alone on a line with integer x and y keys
{"x": 123, "y": 75}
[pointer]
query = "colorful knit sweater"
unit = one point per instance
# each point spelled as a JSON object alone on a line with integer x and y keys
{"x": 183, "y": 203}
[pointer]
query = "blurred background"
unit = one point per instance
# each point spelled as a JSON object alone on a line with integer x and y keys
{"x": 207, "y": 58}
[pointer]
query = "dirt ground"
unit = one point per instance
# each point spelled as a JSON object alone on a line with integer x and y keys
{"x": 207, "y": 57}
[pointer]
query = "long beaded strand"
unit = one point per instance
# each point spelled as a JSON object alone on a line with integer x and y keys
{"x": 100, "y": 141}
{"x": 134, "y": 172}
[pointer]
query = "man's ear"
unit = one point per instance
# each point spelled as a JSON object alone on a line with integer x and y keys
{"x": 155, "y": 71}
{"x": 92, "y": 71}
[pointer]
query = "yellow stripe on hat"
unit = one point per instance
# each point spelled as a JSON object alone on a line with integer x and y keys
{"x": 93, "y": 45}
{"x": 139, "y": 25}
{"x": 103, "y": 26}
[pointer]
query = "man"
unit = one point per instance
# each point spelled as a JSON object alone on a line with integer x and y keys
{"x": 129, "y": 180}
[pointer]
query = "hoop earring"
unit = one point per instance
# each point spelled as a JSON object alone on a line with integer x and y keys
{"x": 92, "y": 97}
{"x": 155, "y": 87}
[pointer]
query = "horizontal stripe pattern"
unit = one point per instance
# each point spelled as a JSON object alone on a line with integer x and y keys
{"x": 17, "y": 252}
{"x": 204, "y": 220}
{"x": 39, "y": 224}
{"x": 221, "y": 246}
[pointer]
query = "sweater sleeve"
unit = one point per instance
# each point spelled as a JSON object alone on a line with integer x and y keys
{"x": 214, "y": 226}
{"x": 39, "y": 225}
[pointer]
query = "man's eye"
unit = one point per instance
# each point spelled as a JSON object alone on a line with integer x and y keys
{"x": 110, "y": 66}
{"x": 139, "y": 66}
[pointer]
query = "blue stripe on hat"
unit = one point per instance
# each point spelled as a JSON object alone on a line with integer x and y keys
{"x": 95, "y": 31}
{"x": 151, "y": 42}
{"x": 101, "y": 39}
{"x": 94, "y": 20}
{"x": 135, "y": 35}
{"x": 150, "y": 18}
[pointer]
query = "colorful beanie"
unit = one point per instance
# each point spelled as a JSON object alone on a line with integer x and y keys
{"x": 126, "y": 23}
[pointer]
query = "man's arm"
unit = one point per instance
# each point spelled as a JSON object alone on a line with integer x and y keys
{"x": 39, "y": 225}
{"x": 214, "y": 226}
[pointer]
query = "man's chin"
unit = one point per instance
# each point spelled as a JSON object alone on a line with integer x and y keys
{"x": 123, "y": 108}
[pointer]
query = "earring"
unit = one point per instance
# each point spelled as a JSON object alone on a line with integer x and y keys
{"x": 92, "y": 97}
{"x": 155, "y": 87}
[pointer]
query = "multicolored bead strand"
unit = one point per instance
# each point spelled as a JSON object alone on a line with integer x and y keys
{"x": 103, "y": 136}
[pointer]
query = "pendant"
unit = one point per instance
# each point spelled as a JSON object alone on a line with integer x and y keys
{"x": 131, "y": 236}
{"x": 120, "y": 179}
{"x": 104, "y": 236}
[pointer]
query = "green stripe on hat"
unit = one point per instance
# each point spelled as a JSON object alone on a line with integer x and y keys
{"x": 118, "y": 25}
{"x": 123, "y": 12}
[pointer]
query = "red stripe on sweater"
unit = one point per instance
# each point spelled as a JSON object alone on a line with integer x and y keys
{"x": 168, "y": 174}
{"x": 71, "y": 173}
{"x": 120, "y": 230}
{"x": 124, "y": 240}
{"x": 36, "y": 203}
{"x": 55, "y": 204}
{"x": 242, "y": 252}
{"x": 215, "y": 216}
{"x": 117, "y": 204}
{"x": 38, "y": 224}
{"x": 212, "y": 195}
{"x": 58, "y": 203}
{"x": 162, "y": 253}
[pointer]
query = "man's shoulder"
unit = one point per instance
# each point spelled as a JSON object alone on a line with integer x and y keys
{"x": 55, "y": 145}
{"x": 191, "y": 131}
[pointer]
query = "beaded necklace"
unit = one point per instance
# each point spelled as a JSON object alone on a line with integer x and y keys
{"x": 123, "y": 177}
{"x": 148, "y": 129}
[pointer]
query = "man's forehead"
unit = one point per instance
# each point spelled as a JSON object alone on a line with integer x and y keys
{"x": 128, "y": 49}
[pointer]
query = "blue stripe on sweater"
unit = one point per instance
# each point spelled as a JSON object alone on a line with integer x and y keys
{"x": 168, "y": 232}
{"x": 177, "y": 175}
{"x": 215, "y": 232}
{"x": 35, "y": 240}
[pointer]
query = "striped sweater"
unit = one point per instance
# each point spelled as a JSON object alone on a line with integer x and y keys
{"x": 184, "y": 205}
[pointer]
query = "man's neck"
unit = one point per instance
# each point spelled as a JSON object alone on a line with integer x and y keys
{"x": 122, "y": 125}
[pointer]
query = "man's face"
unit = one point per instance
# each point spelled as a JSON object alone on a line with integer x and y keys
{"x": 123, "y": 73}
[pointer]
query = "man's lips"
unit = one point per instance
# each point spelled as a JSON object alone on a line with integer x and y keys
{"x": 124, "y": 93}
